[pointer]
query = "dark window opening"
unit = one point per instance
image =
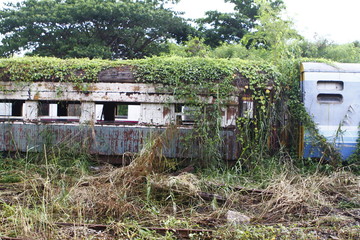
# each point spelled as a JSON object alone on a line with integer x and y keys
{"x": 17, "y": 108}
{"x": 59, "y": 111}
{"x": 330, "y": 98}
{"x": 109, "y": 111}
{"x": 185, "y": 115}
{"x": 44, "y": 109}
{"x": 118, "y": 112}
{"x": 12, "y": 108}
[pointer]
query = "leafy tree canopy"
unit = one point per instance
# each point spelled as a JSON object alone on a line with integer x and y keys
{"x": 218, "y": 28}
{"x": 90, "y": 28}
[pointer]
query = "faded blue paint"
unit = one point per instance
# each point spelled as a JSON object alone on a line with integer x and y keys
{"x": 337, "y": 120}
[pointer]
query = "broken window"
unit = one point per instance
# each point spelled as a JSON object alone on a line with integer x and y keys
{"x": 118, "y": 112}
{"x": 59, "y": 111}
{"x": 185, "y": 114}
{"x": 247, "y": 109}
{"x": 11, "y": 109}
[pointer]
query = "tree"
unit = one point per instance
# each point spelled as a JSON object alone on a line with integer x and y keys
{"x": 323, "y": 48}
{"x": 217, "y": 28}
{"x": 273, "y": 34}
{"x": 90, "y": 28}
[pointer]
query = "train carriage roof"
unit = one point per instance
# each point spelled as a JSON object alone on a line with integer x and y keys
{"x": 330, "y": 67}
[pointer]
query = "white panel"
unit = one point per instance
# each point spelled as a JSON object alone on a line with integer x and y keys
{"x": 53, "y": 110}
{"x": 99, "y": 110}
{"x": 230, "y": 114}
{"x": 133, "y": 112}
{"x": 5, "y": 109}
{"x": 98, "y": 92}
{"x": 158, "y": 114}
{"x": 88, "y": 112}
{"x": 31, "y": 109}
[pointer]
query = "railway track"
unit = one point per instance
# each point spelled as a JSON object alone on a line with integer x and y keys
{"x": 180, "y": 233}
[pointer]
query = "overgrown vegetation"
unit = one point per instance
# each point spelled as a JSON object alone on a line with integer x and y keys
{"x": 285, "y": 197}
{"x": 51, "y": 188}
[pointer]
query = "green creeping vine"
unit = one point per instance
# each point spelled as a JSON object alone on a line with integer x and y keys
{"x": 30, "y": 69}
{"x": 191, "y": 78}
{"x": 354, "y": 159}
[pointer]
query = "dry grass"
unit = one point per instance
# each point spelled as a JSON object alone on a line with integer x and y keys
{"x": 295, "y": 197}
{"x": 115, "y": 192}
{"x": 142, "y": 194}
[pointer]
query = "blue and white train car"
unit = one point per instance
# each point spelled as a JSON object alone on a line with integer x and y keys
{"x": 331, "y": 95}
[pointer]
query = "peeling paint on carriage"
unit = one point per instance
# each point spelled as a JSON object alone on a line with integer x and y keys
{"x": 101, "y": 127}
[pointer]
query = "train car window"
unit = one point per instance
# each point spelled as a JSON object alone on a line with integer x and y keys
{"x": 59, "y": 111}
{"x": 330, "y": 85}
{"x": 185, "y": 114}
{"x": 118, "y": 112}
{"x": 12, "y": 108}
{"x": 330, "y": 98}
{"x": 247, "y": 109}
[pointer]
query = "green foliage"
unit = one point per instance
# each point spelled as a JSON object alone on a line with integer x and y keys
{"x": 195, "y": 47}
{"x": 238, "y": 51}
{"x": 275, "y": 41}
{"x": 273, "y": 34}
{"x": 217, "y": 28}
{"x": 53, "y": 161}
{"x": 30, "y": 69}
{"x": 188, "y": 79}
{"x": 322, "y": 48}
{"x": 354, "y": 159}
{"x": 204, "y": 72}
{"x": 89, "y": 28}
{"x": 8, "y": 171}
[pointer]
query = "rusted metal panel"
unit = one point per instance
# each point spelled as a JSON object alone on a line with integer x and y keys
{"x": 124, "y": 75}
{"x": 158, "y": 114}
{"x": 106, "y": 139}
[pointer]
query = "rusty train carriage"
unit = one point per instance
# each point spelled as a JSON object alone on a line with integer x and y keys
{"x": 113, "y": 116}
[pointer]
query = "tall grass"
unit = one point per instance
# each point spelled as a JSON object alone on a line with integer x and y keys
{"x": 62, "y": 186}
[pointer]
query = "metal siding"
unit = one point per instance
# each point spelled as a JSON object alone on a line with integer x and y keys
{"x": 105, "y": 140}
{"x": 332, "y": 117}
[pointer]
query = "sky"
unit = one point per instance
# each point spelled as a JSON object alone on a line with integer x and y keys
{"x": 314, "y": 19}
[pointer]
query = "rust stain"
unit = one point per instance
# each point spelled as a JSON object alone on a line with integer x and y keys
{"x": 93, "y": 88}
{"x": 37, "y": 96}
{"x": 166, "y": 111}
{"x": 136, "y": 88}
{"x": 50, "y": 86}
{"x": 231, "y": 112}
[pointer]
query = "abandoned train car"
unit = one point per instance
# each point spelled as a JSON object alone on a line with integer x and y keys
{"x": 115, "y": 115}
{"x": 331, "y": 97}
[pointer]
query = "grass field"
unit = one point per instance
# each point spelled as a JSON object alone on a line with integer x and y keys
{"x": 277, "y": 201}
